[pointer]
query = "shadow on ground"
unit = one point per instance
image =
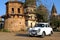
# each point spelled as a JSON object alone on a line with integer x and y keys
{"x": 22, "y": 35}
{"x": 26, "y": 35}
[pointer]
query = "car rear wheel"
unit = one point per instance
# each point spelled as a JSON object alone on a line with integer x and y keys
{"x": 51, "y": 33}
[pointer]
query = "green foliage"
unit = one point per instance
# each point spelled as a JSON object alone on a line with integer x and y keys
{"x": 55, "y": 22}
{"x": 4, "y": 30}
{"x": 42, "y": 15}
{"x": 30, "y": 2}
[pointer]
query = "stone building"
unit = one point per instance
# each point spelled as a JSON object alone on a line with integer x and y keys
{"x": 30, "y": 13}
{"x": 14, "y": 17}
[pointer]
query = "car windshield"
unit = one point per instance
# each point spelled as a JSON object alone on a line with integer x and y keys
{"x": 39, "y": 25}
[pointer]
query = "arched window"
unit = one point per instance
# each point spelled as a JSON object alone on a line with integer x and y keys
{"x": 18, "y": 10}
{"x": 12, "y": 10}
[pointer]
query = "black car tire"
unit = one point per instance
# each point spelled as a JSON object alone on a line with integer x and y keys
{"x": 43, "y": 35}
{"x": 51, "y": 33}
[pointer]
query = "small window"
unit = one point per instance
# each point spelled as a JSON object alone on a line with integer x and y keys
{"x": 46, "y": 25}
{"x": 12, "y": 10}
{"x": 31, "y": 17}
{"x": 20, "y": 22}
{"x": 31, "y": 25}
{"x": 18, "y": 10}
{"x": 28, "y": 16}
{"x": 31, "y": 10}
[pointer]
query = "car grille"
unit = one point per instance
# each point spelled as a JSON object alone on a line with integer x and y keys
{"x": 34, "y": 30}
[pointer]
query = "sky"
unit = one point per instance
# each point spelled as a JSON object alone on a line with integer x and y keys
{"x": 47, "y": 3}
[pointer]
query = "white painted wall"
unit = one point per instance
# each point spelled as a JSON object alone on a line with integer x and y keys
{"x": 33, "y": 23}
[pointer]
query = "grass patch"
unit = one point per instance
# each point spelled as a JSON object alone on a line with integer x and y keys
{"x": 4, "y": 30}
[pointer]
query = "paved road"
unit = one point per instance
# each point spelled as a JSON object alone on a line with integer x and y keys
{"x": 23, "y": 36}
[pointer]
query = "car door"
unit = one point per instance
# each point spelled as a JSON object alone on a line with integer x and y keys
{"x": 47, "y": 29}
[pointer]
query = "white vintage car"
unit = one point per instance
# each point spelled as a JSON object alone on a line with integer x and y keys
{"x": 41, "y": 29}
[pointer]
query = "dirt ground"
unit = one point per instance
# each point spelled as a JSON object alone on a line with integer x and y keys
{"x": 23, "y": 36}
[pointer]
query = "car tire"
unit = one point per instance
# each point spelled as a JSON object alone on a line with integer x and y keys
{"x": 43, "y": 35}
{"x": 30, "y": 35}
{"x": 51, "y": 33}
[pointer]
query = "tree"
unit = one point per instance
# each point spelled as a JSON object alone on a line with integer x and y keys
{"x": 42, "y": 13}
{"x": 55, "y": 22}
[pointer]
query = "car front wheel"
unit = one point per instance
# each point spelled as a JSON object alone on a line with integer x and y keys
{"x": 43, "y": 35}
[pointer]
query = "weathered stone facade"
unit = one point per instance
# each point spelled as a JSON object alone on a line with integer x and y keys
{"x": 14, "y": 18}
{"x": 30, "y": 13}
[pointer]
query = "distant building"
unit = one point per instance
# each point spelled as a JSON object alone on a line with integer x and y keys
{"x": 54, "y": 16}
{"x": 53, "y": 11}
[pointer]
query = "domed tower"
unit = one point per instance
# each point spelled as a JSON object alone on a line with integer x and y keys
{"x": 30, "y": 12}
{"x": 53, "y": 11}
{"x": 14, "y": 20}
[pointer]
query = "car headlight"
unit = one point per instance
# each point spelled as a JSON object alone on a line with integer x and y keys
{"x": 38, "y": 30}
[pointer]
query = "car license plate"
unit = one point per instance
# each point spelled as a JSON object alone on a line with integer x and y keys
{"x": 33, "y": 32}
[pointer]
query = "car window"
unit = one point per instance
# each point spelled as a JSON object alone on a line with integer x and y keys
{"x": 48, "y": 25}
{"x": 39, "y": 25}
{"x": 45, "y": 25}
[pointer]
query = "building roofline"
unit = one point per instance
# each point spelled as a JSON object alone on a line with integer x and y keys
{"x": 14, "y": 2}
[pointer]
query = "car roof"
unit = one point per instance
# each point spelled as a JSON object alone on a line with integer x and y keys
{"x": 43, "y": 23}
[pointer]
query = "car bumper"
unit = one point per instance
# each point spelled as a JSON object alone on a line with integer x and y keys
{"x": 34, "y": 34}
